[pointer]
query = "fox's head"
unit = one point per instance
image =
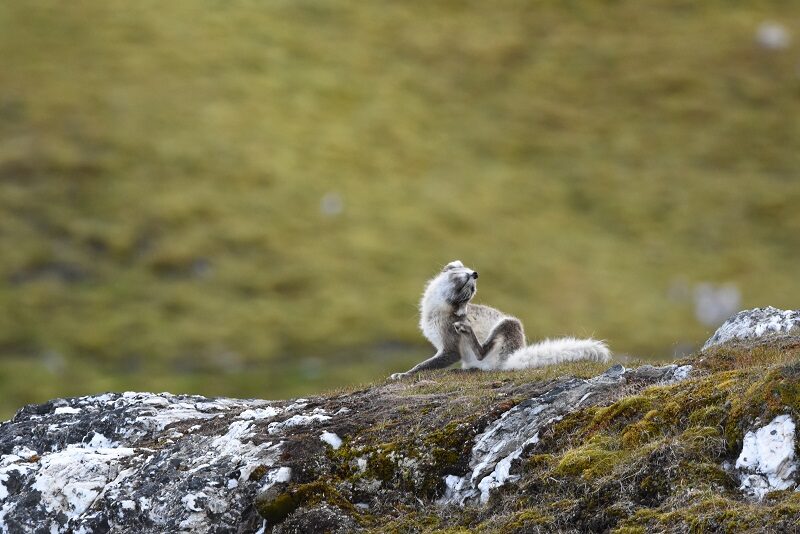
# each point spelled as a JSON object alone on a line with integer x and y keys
{"x": 451, "y": 289}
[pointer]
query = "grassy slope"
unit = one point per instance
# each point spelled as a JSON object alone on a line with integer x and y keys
{"x": 162, "y": 165}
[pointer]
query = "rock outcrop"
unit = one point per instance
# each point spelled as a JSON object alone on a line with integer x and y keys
{"x": 707, "y": 443}
{"x": 757, "y": 323}
{"x": 140, "y": 461}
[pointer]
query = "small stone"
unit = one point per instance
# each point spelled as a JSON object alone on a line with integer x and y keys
{"x": 615, "y": 371}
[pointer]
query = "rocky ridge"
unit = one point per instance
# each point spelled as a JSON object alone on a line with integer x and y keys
{"x": 705, "y": 443}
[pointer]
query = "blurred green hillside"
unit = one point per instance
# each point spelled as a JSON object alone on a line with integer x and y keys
{"x": 233, "y": 197}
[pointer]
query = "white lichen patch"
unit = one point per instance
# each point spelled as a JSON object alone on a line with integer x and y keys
{"x": 71, "y": 479}
{"x": 163, "y": 417}
{"x": 298, "y": 404}
{"x": 499, "y": 476}
{"x": 276, "y": 476}
{"x": 316, "y": 415}
{"x": 99, "y": 441}
{"x": 232, "y": 439}
{"x": 260, "y": 413}
{"x": 11, "y": 464}
{"x": 24, "y": 452}
{"x": 361, "y": 464}
{"x": 331, "y": 439}
{"x": 158, "y": 411}
{"x": 189, "y": 501}
{"x": 237, "y": 443}
{"x": 196, "y": 522}
{"x": 67, "y": 410}
{"x": 767, "y": 461}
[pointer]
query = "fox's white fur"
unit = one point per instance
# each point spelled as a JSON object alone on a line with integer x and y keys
{"x": 482, "y": 337}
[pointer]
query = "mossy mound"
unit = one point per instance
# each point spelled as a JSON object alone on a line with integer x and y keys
{"x": 650, "y": 459}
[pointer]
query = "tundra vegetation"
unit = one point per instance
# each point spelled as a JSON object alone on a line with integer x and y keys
{"x": 222, "y": 197}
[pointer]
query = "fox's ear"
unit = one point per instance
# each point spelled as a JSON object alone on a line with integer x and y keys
{"x": 453, "y": 265}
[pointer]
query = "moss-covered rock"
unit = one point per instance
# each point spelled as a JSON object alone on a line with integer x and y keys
{"x": 655, "y": 458}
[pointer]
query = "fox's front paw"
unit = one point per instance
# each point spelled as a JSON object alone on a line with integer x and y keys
{"x": 462, "y": 327}
{"x": 398, "y": 376}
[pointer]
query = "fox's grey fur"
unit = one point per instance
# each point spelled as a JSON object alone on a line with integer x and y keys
{"x": 483, "y": 337}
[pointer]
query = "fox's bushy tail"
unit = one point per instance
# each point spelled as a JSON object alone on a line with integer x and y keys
{"x": 555, "y": 351}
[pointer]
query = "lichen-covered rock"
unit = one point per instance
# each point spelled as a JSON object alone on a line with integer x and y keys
{"x": 140, "y": 462}
{"x": 754, "y": 324}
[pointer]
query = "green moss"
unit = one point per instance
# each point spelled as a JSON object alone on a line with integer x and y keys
{"x": 381, "y": 464}
{"x": 412, "y": 521}
{"x": 413, "y": 462}
{"x": 710, "y": 511}
{"x": 630, "y": 530}
{"x": 713, "y": 415}
{"x": 523, "y": 521}
{"x": 258, "y": 473}
{"x": 595, "y": 458}
{"x": 621, "y": 412}
{"x": 539, "y": 461}
{"x": 715, "y": 513}
{"x": 277, "y": 508}
{"x": 572, "y": 428}
{"x": 651, "y": 461}
{"x": 642, "y": 431}
{"x": 698, "y": 474}
{"x": 448, "y": 445}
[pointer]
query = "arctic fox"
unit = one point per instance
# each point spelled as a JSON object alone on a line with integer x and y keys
{"x": 456, "y": 327}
